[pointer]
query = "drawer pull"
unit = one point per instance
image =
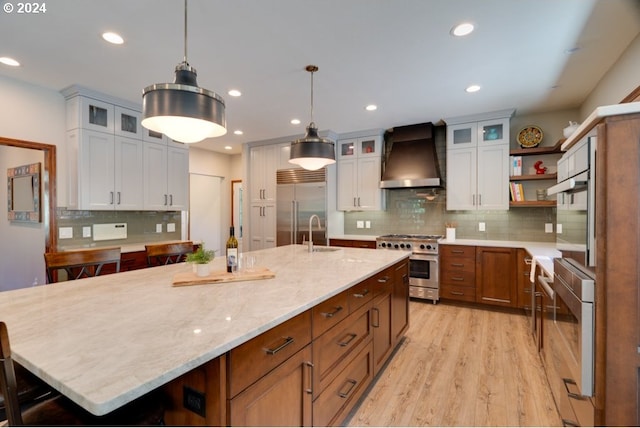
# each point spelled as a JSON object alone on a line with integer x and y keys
{"x": 361, "y": 295}
{"x": 331, "y": 314}
{"x": 568, "y": 382}
{"x": 350, "y": 337}
{"x": 287, "y": 341}
{"x": 350, "y": 383}
{"x": 457, "y": 251}
{"x": 457, "y": 278}
{"x": 457, "y": 264}
{"x": 457, "y": 293}
{"x": 377, "y": 323}
{"x": 309, "y": 365}
{"x": 383, "y": 279}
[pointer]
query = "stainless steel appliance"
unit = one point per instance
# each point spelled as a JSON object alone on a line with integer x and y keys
{"x": 568, "y": 341}
{"x": 423, "y": 262}
{"x": 299, "y": 195}
{"x": 575, "y": 230}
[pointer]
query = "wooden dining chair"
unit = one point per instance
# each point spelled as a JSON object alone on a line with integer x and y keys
{"x": 81, "y": 263}
{"x": 168, "y": 253}
{"x": 59, "y": 410}
{"x": 30, "y": 390}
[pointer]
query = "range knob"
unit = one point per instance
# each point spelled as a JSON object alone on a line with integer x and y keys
{"x": 383, "y": 245}
{"x": 429, "y": 247}
{"x": 396, "y": 246}
{"x": 422, "y": 246}
{"x": 401, "y": 245}
{"x": 408, "y": 246}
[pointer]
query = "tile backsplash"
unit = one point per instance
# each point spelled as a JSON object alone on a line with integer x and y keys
{"x": 141, "y": 226}
{"x": 408, "y": 211}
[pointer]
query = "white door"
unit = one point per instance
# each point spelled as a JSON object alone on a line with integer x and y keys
{"x": 205, "y": 211}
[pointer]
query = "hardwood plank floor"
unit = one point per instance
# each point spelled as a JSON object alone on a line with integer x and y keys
{"x": 461, "y": 366}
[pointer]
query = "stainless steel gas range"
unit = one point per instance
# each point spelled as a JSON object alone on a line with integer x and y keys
{"x": 423, "y": 262}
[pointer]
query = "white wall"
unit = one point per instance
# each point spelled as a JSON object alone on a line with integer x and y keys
{"x": 621, "y": 79}
{"x": 22, "y": 244}
{"x": 229, "y": 168}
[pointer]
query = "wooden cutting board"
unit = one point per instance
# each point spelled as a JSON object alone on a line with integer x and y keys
{"x": 190, "y": 278}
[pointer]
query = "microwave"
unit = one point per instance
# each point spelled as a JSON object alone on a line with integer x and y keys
{"x": 576, "y": 199}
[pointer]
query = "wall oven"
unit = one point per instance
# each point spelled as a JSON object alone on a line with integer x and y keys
{"x": 568, "y": 341}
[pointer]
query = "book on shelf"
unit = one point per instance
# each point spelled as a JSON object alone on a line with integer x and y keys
{"x": 517, "y": 192}
{"x": 516, "y": 165}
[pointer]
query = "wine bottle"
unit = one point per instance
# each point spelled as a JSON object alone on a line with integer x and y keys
{"x": 232, "y": 251}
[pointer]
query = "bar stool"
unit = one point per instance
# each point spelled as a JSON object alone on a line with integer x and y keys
{"x": 148, "y": 410}
{"x": 81, "y": 263}
{"x": 168, "y": 253}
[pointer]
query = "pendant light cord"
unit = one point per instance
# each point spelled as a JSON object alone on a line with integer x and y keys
{"x": 185, "y": 32}
{"x": 312, "y": 97}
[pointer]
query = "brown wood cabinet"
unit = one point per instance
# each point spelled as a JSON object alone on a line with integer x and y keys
{"x": 458, "y": 272}
{"x": 311, "y": 369}
{"x": 496, "y": 276}
{"x": 523, "y": 270}
{"x": 355, "y": 243}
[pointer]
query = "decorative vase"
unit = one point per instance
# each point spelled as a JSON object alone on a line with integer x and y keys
{"x": 451, "y": 233}
{"x": 202, "y": 269}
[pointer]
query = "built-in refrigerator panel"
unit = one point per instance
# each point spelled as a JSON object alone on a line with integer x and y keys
{"x": 296, "y": 203}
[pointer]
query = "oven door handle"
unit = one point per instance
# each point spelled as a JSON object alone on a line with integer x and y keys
{"x": 426, "y": 258}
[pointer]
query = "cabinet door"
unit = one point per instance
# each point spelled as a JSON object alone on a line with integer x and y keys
{"x": 370, "y": 147}
{"x": 129, "y": 174}
{"x": 97, "y": 169}
{"x": 127, "y": 123}
{"x": 461, "y": 179}
{"x": 491, "y": 132}
{"x": 347, "y": 149}
{"x": 400, "y": 304}
{"x": 493, "y": 178}
{"x": 496, "y": 282}
{"x": 381, "y": 323}
{"x": 96, "y": 115}
{"x": 263, "y": 226}
{"x": 462, "y": 136}
{"x": 263, "y": 163}
{"x": 281, "y": 398}
{"x": 269, "y": 226}
{"x": 155, "y": 177}
{"x": 347, "y": 184}
{"x": 178, "y": 178}
{"x": 369, "y": 193}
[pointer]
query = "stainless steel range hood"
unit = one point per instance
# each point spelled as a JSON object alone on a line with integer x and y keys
{"x": 411, "y": 160}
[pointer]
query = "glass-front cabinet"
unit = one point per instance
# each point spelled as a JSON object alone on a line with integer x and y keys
{"x": 477, "y": 134}
{"x": 360, "y": 147}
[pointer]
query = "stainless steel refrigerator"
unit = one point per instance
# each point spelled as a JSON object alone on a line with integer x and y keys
{"x": 300, "y": 194}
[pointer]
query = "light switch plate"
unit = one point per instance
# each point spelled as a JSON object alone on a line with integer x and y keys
{"x": 559, "y": 228}
{"x": 171, "y": 227}
{"x": 65, "y": 233}
{"x": 367, "y": 224}
{"x": 482, "y": 227}
{"x": 159, "y": 228}
{"x": 548, "y": 228}
{"x": 86, "y": 231}
{"x": 360, "y": 224}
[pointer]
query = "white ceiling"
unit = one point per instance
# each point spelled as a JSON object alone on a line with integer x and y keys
{"x": 397, "y": 54}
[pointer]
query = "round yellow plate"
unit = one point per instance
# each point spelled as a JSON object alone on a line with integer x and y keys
{"x": 530, "y": 136}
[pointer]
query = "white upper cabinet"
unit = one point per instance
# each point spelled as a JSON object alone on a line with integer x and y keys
{"x": 359, "y": 164}
{"x": 478, "y": 162}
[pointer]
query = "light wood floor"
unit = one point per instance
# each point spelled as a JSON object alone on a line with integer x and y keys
{"x": 461, "y": 366}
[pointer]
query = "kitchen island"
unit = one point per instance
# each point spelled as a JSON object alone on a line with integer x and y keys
{"x": 105, "y": 341}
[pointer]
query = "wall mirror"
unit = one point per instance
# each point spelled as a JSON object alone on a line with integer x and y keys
{"x": 23, "y": 193}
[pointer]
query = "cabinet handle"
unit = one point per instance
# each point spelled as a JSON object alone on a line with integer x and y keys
{"x": 171, "y": 200}
{"x": 570, "y": 394}
{"x": 377, "y": 323}
{"x": 346, "y": 342}
{"x": 350, "y": 383}
{"x": 457, "y": 293}
{"x": 110, "y": 198}
{"x": 361, "y": 295}
{"x": 358, "y": 200}
{"x": 528, "y": 260}
{"x": 119, "y": 198}
{"x": 473, "y": 198}
{"x": 331, "y": 314}
{"x": 165, "y": 199}
{"x": 457, "y": 264}
{"x": 384, "y": 279}
{"x": 457, "y": 278}
{"x": 457, "y": 251}
{"x": 310, "y": 366}
{"x": 287, "y": 341}
{"x": 480, "y": 200}
{"x": 354, "y": 202}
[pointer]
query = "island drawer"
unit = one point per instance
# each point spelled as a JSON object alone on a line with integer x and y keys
{"x": 331, "y": 350}
{"x": 382, "y": 281}
{"x": 360, "y": 294}
{"x": 456, "y": 292}
{"x": 330, "y": 312}
{"x": 334, "y": 403}
{"x": 255, "y": 358}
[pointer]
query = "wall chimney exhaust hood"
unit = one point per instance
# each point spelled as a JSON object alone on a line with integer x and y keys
{"x": 411, "y": 161}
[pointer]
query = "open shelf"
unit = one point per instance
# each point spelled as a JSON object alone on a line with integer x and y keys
{"x": 553, "y": 176}
{"x": 532, "y": 204}
{"x": 538, "y": 150}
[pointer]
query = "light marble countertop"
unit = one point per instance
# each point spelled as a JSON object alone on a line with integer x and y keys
{"x": 542, "y": 252}
{"x": 355, "y": 237}
{"x": 107, "y": 340}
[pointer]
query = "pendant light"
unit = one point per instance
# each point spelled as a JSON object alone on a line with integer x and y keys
{"x": 182, "y": 110}
{"x": 312, "y": 152}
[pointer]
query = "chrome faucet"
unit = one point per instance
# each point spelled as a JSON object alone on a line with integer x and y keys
{"x": 310, "y": 242}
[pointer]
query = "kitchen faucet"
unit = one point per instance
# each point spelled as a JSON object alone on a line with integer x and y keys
{"x": 310, "y": 243}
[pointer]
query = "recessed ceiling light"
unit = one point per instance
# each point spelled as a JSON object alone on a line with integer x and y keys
{"x": 371, "y": 107}
{"x": 234, "y": 93}
{"x": 9, "y": 61}
{"x": 228, "y": 147}
{"x": 295, "y": 121}
{"x": 238, "y": 132}
{"x": 114, "y": 38}
{"x": 462, "y": 29}
{"x": 473, "y": 88}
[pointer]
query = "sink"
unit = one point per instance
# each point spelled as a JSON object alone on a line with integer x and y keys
{"x": 325, "y": 249}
